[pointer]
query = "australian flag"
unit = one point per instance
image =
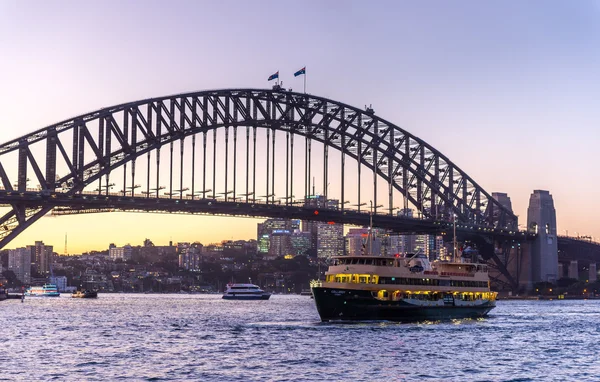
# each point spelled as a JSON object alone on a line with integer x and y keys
{"x": 300, "y": 72}
{"x": 273, "y": 76}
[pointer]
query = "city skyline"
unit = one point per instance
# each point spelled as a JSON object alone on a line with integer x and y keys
{"x": 504, "y": 90}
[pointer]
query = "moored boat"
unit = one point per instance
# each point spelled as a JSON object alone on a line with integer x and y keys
{"x": 46, "y": 290}
{"x": 245, "y": 292}
{"x": 403, "y": 289}
{"x": 85, "y": 294}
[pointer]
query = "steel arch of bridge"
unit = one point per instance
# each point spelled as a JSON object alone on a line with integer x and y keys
{"x": 425, "y": 177}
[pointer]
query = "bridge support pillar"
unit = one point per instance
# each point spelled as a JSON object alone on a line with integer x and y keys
{"x": 525, "y": 279}
{"x": 574, "y": 270}
{"x": 561, "y": 271}
{"x": 593, "y": 276}
{"x": 541, "y": 219}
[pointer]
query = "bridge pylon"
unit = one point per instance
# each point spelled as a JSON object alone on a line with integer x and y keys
{"x": 543, "y": 251}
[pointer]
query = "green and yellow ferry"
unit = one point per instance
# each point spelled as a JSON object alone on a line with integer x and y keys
{"x": 403, "y": 289}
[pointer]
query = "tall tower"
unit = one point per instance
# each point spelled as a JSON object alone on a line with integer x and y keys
{"x": 541, "y": 219}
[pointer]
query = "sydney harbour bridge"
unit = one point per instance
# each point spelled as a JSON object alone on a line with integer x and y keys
{"x": 256, "y": 153}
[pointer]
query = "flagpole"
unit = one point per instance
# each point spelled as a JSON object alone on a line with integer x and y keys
{"x": 305, "y": 80}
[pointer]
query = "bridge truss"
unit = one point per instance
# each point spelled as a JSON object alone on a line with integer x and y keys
{"x": 248, "y": 146}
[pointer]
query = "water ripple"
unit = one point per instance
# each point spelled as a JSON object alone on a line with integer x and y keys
{"x": 202, "y": 337}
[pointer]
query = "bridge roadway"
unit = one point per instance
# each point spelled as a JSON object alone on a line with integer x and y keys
{"x": 91, "y": 202}
{"x": 572, "y": 248}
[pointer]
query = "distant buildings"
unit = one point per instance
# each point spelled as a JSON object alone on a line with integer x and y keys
{"x": 300, "y": 242}
{"x": 280, "y": 243}
{"x": 281, "y": 237}
{"x": 19, "y": 261}
{"x": 326, "y": 239}
{"x": 60, "y": 282}
{"x": 190, "y": 256}
{"x": 124, "y": 253}
{"x": 330, "y": 239}
{"x": 356, "y": 241}
{"x": 41, "y": 256}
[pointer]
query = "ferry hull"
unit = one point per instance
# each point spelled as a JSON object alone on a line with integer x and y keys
{"x": 240, "y": 297}
{"x": 42, "y": 295}
{"x": 359, "y": 305}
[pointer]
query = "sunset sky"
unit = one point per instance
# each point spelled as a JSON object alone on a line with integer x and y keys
{"x": 509, "y": 91}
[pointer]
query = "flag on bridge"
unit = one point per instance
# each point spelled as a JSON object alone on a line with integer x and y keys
{"x": 300, "y": 72}
{"x": 274, "y": 76}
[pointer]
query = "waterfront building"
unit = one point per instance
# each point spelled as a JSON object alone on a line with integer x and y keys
{"x": 124, "y": 253}
{"x": 60, "y": 282}
{"x": 19, "y": 261}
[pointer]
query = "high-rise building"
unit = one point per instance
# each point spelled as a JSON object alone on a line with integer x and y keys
{"x": 19, "y": 261}
{"x": 300, "y": 242}
{"x": 356, "y": 241}
{"x": 266, "y": 228}
{"x": 320, "y": 202}
{"x": 41, "y": 255}
{"x": 330, "y": 240}
{"x": 280, "y": 243}
{"x": 264, "y": 241}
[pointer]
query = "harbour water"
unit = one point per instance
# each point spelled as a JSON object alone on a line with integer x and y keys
{"x": 202, "y": 337}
